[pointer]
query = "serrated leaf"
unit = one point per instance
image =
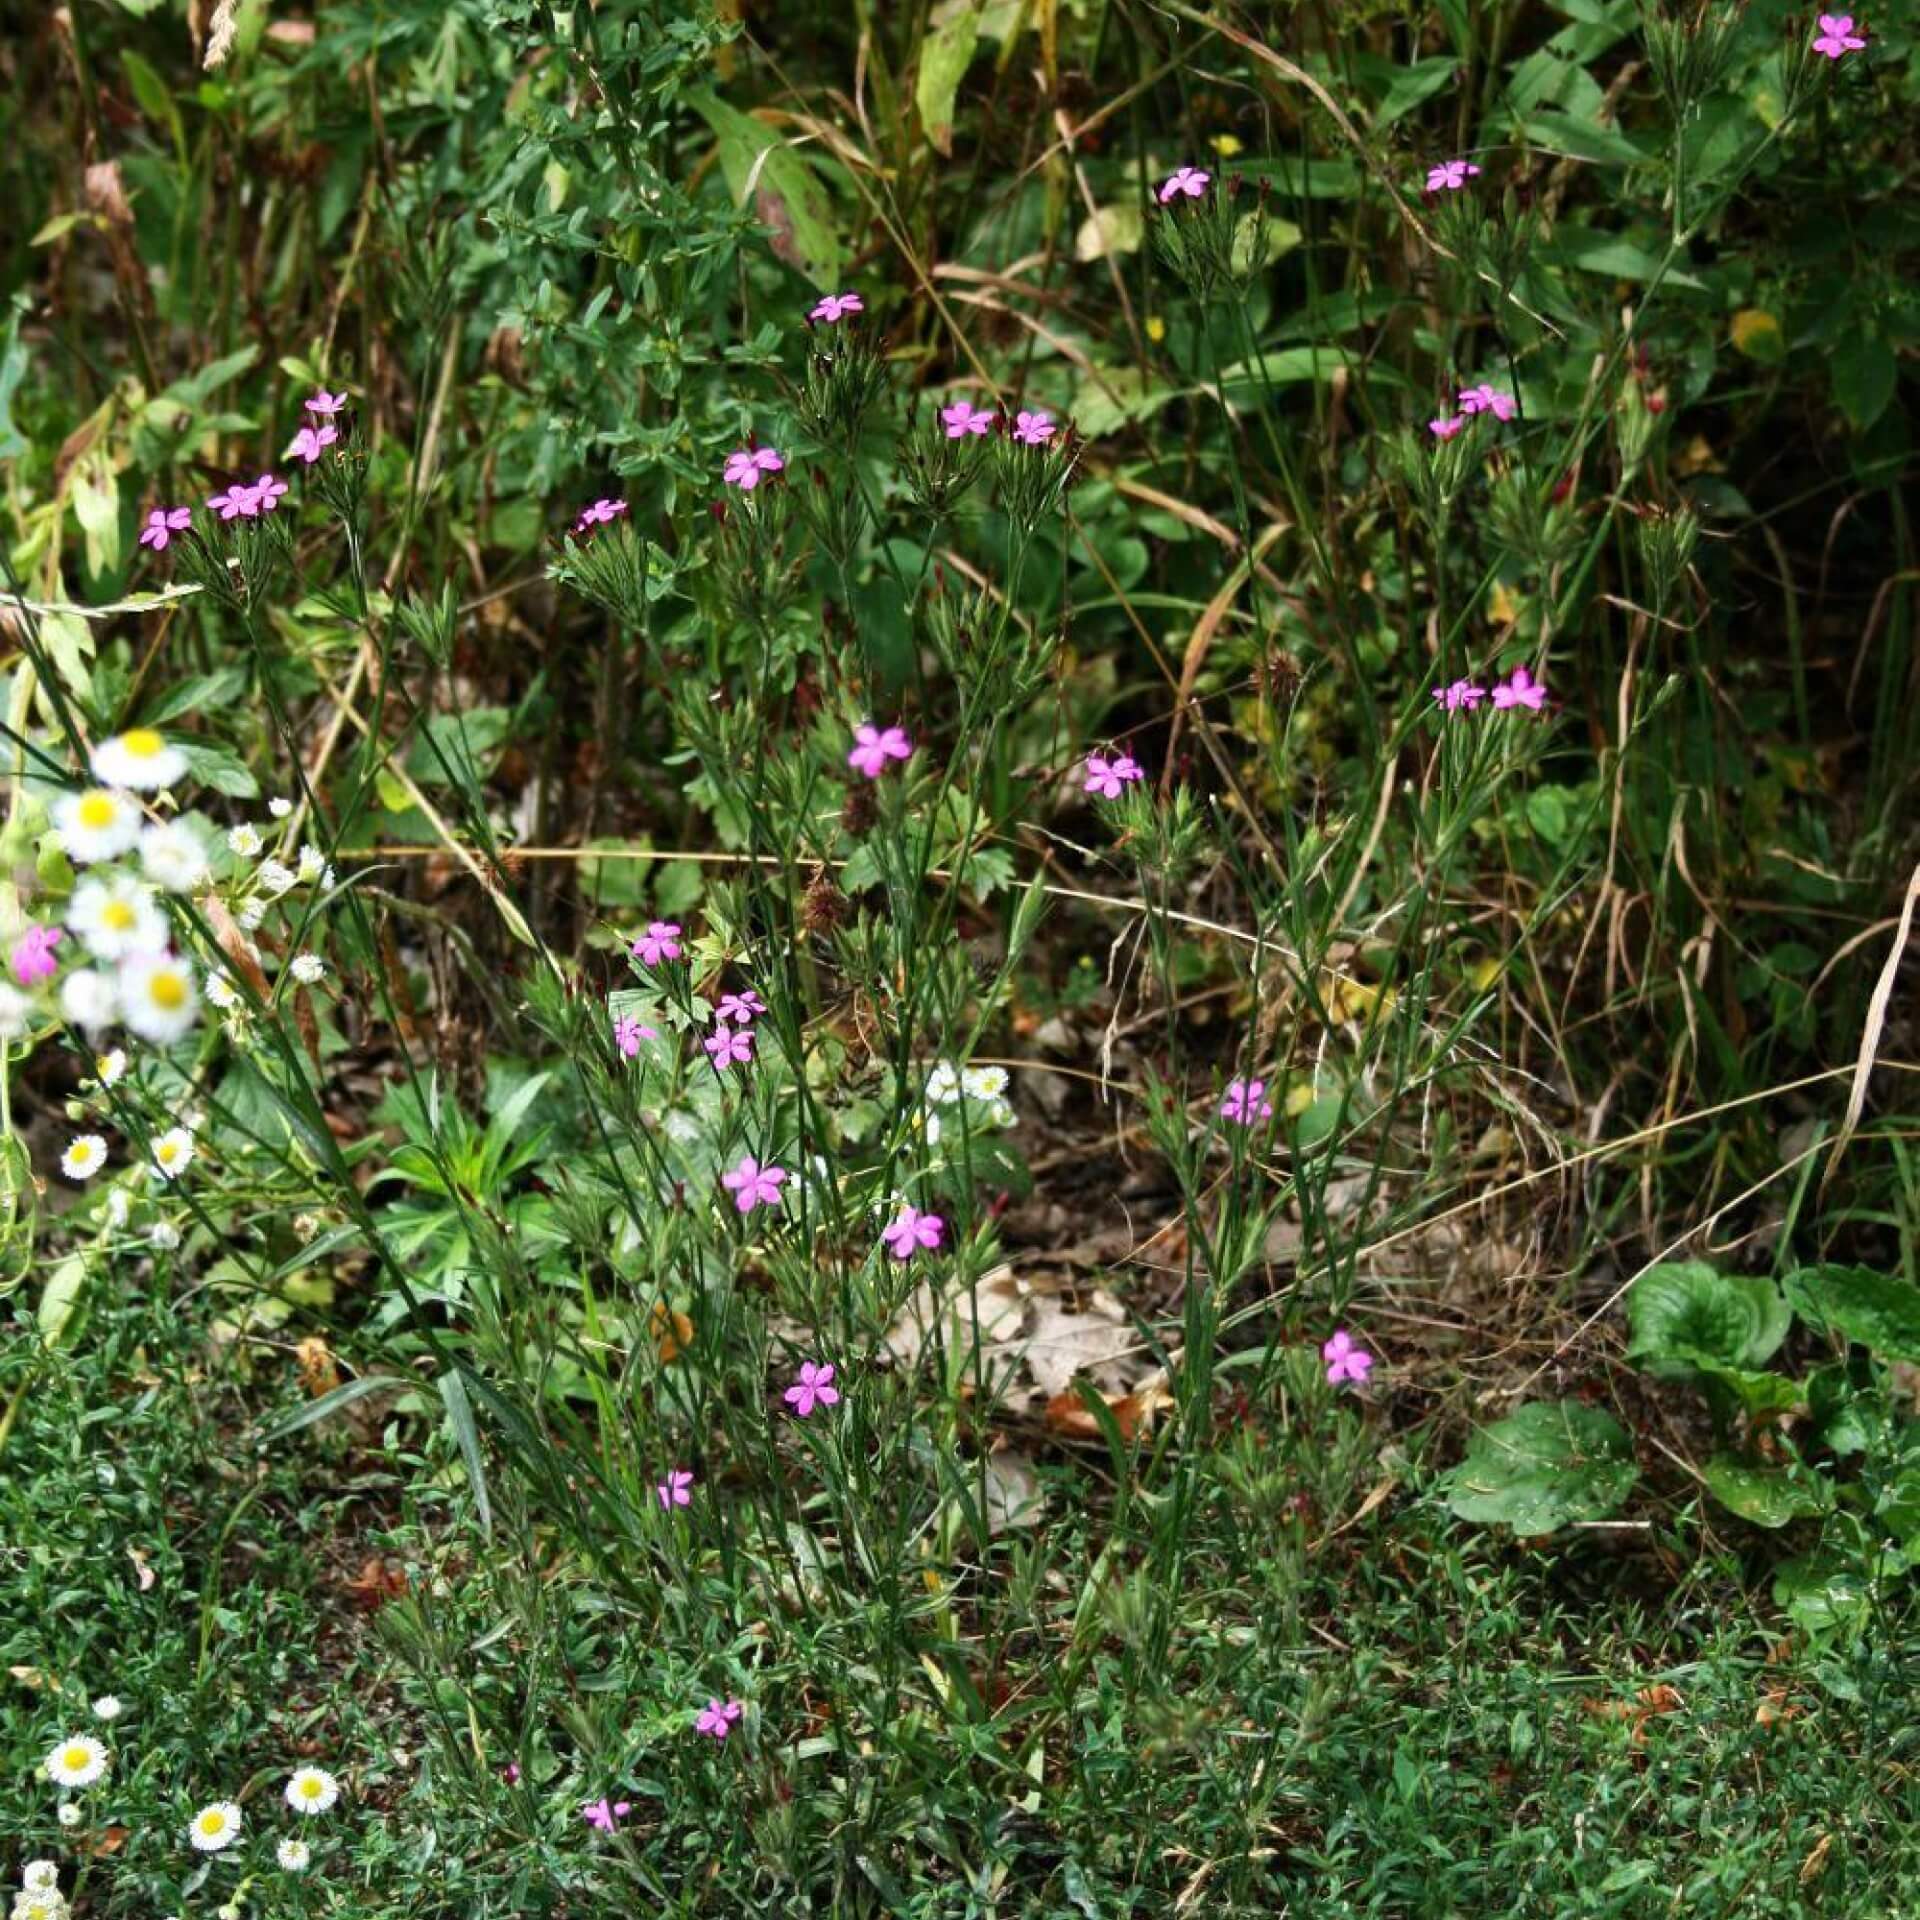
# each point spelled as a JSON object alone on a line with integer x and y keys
{"x": 1685, "y": 1314}
{"x": 1768, "y": 1496}
{"x": 1876, "y": 1309}
{"x": 1540, "y": 1468}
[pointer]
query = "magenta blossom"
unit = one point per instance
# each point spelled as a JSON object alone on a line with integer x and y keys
{"x": 628, "y": 1033}
{"x": 1108, "y": 779}
{"x": 1461, "y": 695}
{"x": 511, "y": 1773}
{"x": 659, "y": 942}
{"x": 1345, "y": 1360}
{"x": 602, "y": 513}
{"x": 237, "y": 503}
{"x": 675, "y": 1489}
{"x": 740, "y": 1007}
{"x": 32, "y": 957}
{"x": 814, "y": 1388}
{"x": 309, "y": 442}
{"x": 1191, "y": 181}
{"x": 753, "y": 1185}
{"x": 602, "y": 1813}
{"x": 1520, "y": 689}
{"x": 269, "y": 491}
{"x": 1487, "y": 399}
{"x": 1447, "y": 425}
{"x": 874, "y": 746}
{"x": 836, "y": 306}
{"x": 910, "y": 1229}
{"x": 716, "y": 1717}
{"x": 729, "y": 1047}
{"x": 963, "y": 418}
{"x": 1245, "y": 1101}
{"x": 162, "y": 524}
{"x": 1450, "y": 176}
{"x": 1032, "y": 429}
{"x": 743, "y": 469}
{"x": 1836, "y": 36}
{"x": 324, "y": 403}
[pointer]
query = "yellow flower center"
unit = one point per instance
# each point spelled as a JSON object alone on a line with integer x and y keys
{"x": 168, "y": 992}
{"x": 98, "y": 810}
{"x": 117, "y": 916}
{"x": 310, "y": 1789}
{"x": 212, "y": 1821}
{"x": 167, "y": 1152}
{"x": 143, "y": 743}
{"x": 75, "y": 1758}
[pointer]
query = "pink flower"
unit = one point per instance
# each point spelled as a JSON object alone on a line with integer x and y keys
{"x": 1520, "y": 689}
{"x": 1189, "y": 180}
{"x": 963, "y": 418}
{"x": 1461, "y": 695}
{"x": 716, "y": 1717}
{"x": 309, "y": 441}
{"x": 324, "y": 402}
{"x": 836, "y": 306}
{"x": 602, "y": 1813}
{"x": 1450, "y": 176}
{"x": 32, "y": 957}
{"x": 753, "y": 1185}
{"x": 237, "y": 503}
{"x": 1245, "y": 1101}
{"x": 1487, "y": 399}
{"x": 729, "y": 1047}
{"x": 511, "y": 1774}
{"x": 1032, "y": 429}
{"x": 602, "y": 513}
{"x": 1345, "y": 1361}
{"x": 910, "y": 1229}
{"x": 1447, "y": 425}
{"x": 162, "y": 524}
{"x": 873, "y": 747}
{"x": 1110, "y": 778}
{"x": 814, "y": 1388}
{"x": 674, "y": 1490}
{"x": 743, "y": 469}
{"x": 658, "y": 943}
{"x": 740, "y": 1007}
{"x": 269, "y": 491}
{"x": 628, "y": 1033}
{"x": 1836, "y": 36}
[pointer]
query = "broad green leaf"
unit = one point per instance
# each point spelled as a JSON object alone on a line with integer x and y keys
{"x": 1768, "y": 1496}
{"x": 1760, "y": 1396}
{"x": 1548, "y": 1464}
{"x": 1876, "y": 1309}
{"x": 329, "y": 1404}
{"x": 788, "y": 199}
{"x": 1820, "y": 1595}
{"x": 95, "y": 493}
{"x": 1118, "y": 397}
{"x": 215, "y": 767}
{"x": 1583, "y": 140}
{"x": 1756, "y": 333}
{"x": 1412, "y": 86}
{"x": 1685, "y": 1314}
{"x": 1863, "y": 376}
{"x": 944, "y": 57}
{"x": 1115, "y": 229}
{"x": 59, "y": 1297}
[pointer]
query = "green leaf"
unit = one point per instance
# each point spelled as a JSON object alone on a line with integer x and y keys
{"x": 1760, "y": 1395}
{"x": 215, "y": 767}
{"x": 1548, "y": 1464}
{"x": 329, "y": 1404}
{"x": 151, "y": 92}
{"x": 788, "y": 198}
{"x": 1768, "y": 1496}
{"x": 1413, "y": 86}
{"x": 1118, "y": 397}
{"x": 95, "y": 493}
{"x": 59, "y": 1297}
{"x": 944, "y": 58}
{"x": 1583, "y": 140}
{"x": 453, "y": 1391}
{"x": 1863, "y": 376}
{"x": 1820, "y": 1595}
{"x": 1876, "y": 1309}
{"x": 1685, "y": 1315}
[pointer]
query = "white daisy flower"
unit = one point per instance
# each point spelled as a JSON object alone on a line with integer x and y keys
{"x": 157, "y": 997}
{"x": 276, "y": 877}
{"x": 140, "y": 759}
{"x": 163, "y": 1235}
{"x": 174, "y": 856}
{"x": 984, "y": 1083}
{"x": 96, "y": 825}
{"x": 231, "y": 1911}
{"x": 110, "y": 1067}
{"x": 251, "y": 914}
{"x": 107, "y": 1707}
{"x": 84, "y": 1157}
{"x": 279, "y": 808}
{"x": 171, "y": 1153}
{"x": 943, "y": 1084}
{"x": 43, "y": 1903}
{"x": 309, "y": 969}
{"x": 294, "y": 1855}
{"x": 312, "y": 1790}
{"x": 116, "y": 916}
{"x": 244, "y": 840}
{"x": 313, "y": 866}
{"x": 39, "y": 1876}
{"x": 78, "y": 1761}
{"x": 215, "y": 1827}
{"x": 68, "y": 1813}
{"x": 91, "y": 1000}
{"x": 221, "y": 991}
{"x": 16, "y": 1012}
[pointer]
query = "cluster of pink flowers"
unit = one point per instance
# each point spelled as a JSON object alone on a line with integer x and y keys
{"x": 1108, "y": 779}
{"x": 1449, "y": 176}
{"x": 600, "y": 513}
{"x": 1518, "y": 689}
{"x": 241, "y": 502}
{"x": 1032, "y": 428}
{"x": 602, "y": 1814}
{"x": 1191, "y": 181}
{"x": 1481, "y": 399}
{"x": 746, "y": 468}
{"x": 313, "y": 439}
{"x": 1836, "y": 36}
{"x": 874, "y": 746}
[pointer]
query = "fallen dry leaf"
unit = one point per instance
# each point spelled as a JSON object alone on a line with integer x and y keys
{"x": 376, "y": 1583}
{"x": 1014, "y": 1498}
{"x": 318, "y": 1373}
{"x": 141, "y": 1571}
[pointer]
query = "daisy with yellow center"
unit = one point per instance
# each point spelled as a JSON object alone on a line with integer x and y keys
{"x": 84, "y": 1158}
{"x": 110, "y": 1066}
{"x": 78, "y": 1761}
{"x": 141, "y": 759}
{"x": 158, "y": 999}
{"x": 172, "y": 1152}
{"x": 312, "y": 1790}
{"x": 294, "y": 1855}
{"x": 116, "y": 917}
{"x": 215, "y": 1827}
{"x": 96, "y": 824}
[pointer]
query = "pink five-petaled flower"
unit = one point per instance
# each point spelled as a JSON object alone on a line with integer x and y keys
{"x": 716, "y": 1717}
{"x": 753, "y": 1185}
{"x": 162, "y": 524}
{"x": 963, "y": 418}
{"x": 743, "y": 469}
{"x": 1032, "y": 429}
{"x": 911, "y": 1229}
{"x": 1520, "y": 689}
{"x": 729, "y": 1047}
{"x": 268, "y": 489}
{"x": 1108, "y": 779}
{"x": 602, "y": 1813}
{"x": 1461, "y": 694}
{"x": 1447, "y": 425}
{"x": 324, "y": 403}
{"x": 237, "y": 503}
{"x": 874, "y": 746}
{"x": 32, "y": 957}
{"x": 740, "y": 1007}
{"x": 309, "y": 442}
{"x": 1345, "y": 1360}
{"x": 628, "y": 1033}
{"x": 675, "y": 1489}
{"x": 836, "y": 306}
{"x": 1245, "y": 1101}
{"x": 658, "y": 943}
{"x": 814, "y": 1388}
{"x": 1450, "y": 176}
{"x": 602, "y": 513}
{"x": 1192, "y": 181}
{"x": 1487, "y": 399}
{"x": 1836, "y": 36}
